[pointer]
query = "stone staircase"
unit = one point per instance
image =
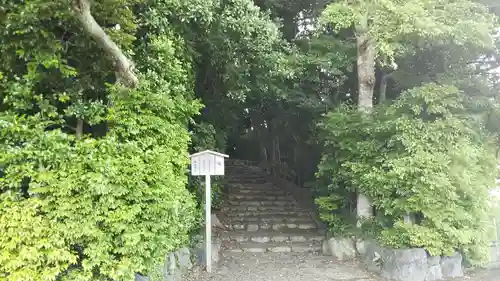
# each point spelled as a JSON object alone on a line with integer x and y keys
{"x": 260, "y": 217}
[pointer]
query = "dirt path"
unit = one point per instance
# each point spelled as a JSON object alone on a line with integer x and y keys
{"x": 299, "y": 267}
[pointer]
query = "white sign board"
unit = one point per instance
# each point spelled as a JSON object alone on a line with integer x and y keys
{"x": 208, "y": 163}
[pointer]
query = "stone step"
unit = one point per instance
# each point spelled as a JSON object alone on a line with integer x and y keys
{"x": 268, "y": 213}
{"x": 270, "y": 195}
{"x": 253, "y": 247}
{"x": 233, "y": 208}
{"x": 265, "y": 225}
{"x": 259, "y": 197}
{"x": 268, "y": 192}
{"x": 253, "y": 175}
{"x": 235, "y": 183}
{"x": 244, "y": 168}
{"x": 284, "y": 203}
{"x": 273, "y": 236}
{"x": 289, "y": 217}
{"x": 246, "y": 177}
{"x": 248, "y": 181}
{"x": 237, "y": 178}
{"x": 245, "y": 173}
{"x": 258, "y": 188}
{"x": 251, "y": 189}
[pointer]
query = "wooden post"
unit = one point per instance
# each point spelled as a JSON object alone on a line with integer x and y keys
{"x": 208, "y": 224}
{"x": 208, "y": 163}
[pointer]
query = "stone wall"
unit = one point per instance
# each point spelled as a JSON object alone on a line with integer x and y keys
{"x": 410, "y": 264}
{"x": 179, "y": 263}
{"x": 395, "y": 264}
{"x": 495, "y": 255}
{"x": 495, "y": 247}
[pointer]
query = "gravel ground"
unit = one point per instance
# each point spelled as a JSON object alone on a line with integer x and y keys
{"x": 282, "y": 267}
{"x": 483, "y": 275}
{"x": 299, "y": 267}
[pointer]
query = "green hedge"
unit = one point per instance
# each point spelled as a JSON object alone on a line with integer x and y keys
{"x": 99, "y": 209}
{"x": 421, "y": 155}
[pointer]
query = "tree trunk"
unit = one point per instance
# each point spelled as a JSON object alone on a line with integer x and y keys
{"x": 366, "y": 70}
{"x": 366, "y": 84}
{"x": 79, "y": 128}
{"x": 271, "y": 129}
{"x": 289, "y": 27}
{"x": 124, "y": 67}
{"x": 258, "y": 125}
{"x": 383, "y": 88}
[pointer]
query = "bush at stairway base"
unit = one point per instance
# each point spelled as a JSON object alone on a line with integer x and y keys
{"x": 429, "y": 160}
{"x": 91, "y": 204}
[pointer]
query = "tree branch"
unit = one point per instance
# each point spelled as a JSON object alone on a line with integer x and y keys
{"x": 124, "y": 67}
{"x": 488, "y": 69}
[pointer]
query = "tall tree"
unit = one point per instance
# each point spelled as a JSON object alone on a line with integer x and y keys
{"x": 381, "y": 28}
{"x": 93, "y": 207}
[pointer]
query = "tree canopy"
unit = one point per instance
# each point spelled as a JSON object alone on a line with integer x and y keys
{"x": 101, "y": 102}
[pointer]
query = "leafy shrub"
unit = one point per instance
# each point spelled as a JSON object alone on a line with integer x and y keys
{"x": 99, "y": 209}
{"x": 334, "y": 204}
{"x": 330, "y": 212}
{"x": 421, "y": 155}
{"x": 205, "y": 136}
{"x": 218, "y": 192}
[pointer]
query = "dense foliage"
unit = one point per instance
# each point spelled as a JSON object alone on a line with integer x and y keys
{"x": 420, "y": 156}
{"x": 80, "y": 206}
{"x": 93, "y": 182}
{"x": 98, "y": 165}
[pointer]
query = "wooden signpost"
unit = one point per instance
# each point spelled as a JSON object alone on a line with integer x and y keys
{"x": 208, "y": 163}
